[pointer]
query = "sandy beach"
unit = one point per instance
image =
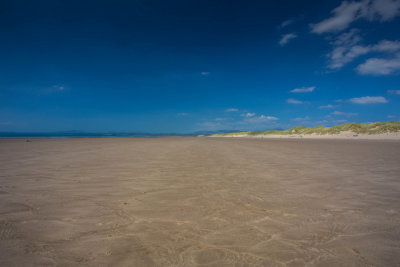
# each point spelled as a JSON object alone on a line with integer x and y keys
{"x": 199, "y": 202}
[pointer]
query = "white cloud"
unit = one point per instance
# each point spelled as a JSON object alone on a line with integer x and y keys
{"x": 368, "y": 100}
{"x": 343, "y": 15}
{"x": 340, "y": 113}
{"x": 384, "y": 10}
{"x": 246, "y": 124}
{"x": 262, "y": 118}
{"x": 347, "y": 12}
{"x": 287, "y": 22}
{"x": 391, "y": 116}
{"x": 231, "y": 110}
{"x": 387, "y": 46}
{"x": 342, "y": 55}
{"x": 290, "y": 21}
{"x": 303, "y": 89}
{"x": 349, "y": 38}
{"x": 342, "y": 44}
{"x": 294, "y": 101}
{"x": 183, "y": 114}
{"x": 327, "y": 106}
{"x": 247, "y": 115}
{"x": 396, "y": 92}
{"x": 346, "y": 49}
{"x": 205, "y": 73}
{"x": 286, "y": 38}
{"x": 380, "y": 66}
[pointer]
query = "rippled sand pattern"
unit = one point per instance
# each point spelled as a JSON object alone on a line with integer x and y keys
{"x": 199, "y": 202}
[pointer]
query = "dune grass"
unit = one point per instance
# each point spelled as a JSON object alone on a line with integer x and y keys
{"x": 371, "y": 128}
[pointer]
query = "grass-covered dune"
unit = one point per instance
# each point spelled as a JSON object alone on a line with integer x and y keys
{"x": 372, "y": 128}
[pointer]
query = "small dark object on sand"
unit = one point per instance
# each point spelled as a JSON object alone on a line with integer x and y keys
{"x": 28, "y": 140}
{"x": 355, "y": 135}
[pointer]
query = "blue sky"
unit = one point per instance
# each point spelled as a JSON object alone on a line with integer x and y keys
{"x": 186, "y": 66}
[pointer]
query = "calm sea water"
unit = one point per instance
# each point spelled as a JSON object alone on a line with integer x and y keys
{"x": 82, "y": 134}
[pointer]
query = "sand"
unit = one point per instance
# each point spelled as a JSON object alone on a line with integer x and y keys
{"x": 199, "y": 202}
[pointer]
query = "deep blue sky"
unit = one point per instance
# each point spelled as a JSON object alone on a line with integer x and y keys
{"x": 185, "y": 66}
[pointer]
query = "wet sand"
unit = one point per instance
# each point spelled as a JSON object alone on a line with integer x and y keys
{"x": 199, "y": 201}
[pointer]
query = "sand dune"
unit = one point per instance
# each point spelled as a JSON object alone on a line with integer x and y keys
{"x": 343, "y": 135}
{"x": 199, "y": 201}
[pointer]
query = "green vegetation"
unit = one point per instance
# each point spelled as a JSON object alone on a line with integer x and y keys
{"x": 372, "y": 128}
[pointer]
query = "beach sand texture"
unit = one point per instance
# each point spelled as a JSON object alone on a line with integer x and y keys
{"x": 199, "y": 201}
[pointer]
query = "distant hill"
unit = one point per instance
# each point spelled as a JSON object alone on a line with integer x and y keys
{"x": 358, "y": 128}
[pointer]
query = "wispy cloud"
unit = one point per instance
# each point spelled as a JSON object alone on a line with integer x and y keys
{"x": 290, "y": 21}
{"x": 294, "y": 101}
{"x": 262, "y": 118}
{"x": 347, "y": 114}
{"x": 303, "y": 89}
{"x": 331, "y": 122}
{"x": 221, "y": 119}
{"x": 53, "y": 89}
{"x": 246, "y": 123}
{"x": 306, "y": 118}
{"x": 328, "y": 106}
{"x": 232, "y": 110}
{"x": 384, "y": 10}
{"x": 286, "y": 38}
{"x": 205, "y": 73}
{"x": 59, "y": 87}
{"x": 345, "y": 49}
{"x": 348, "y": 12}
{"x": 247, "y": 115}
{"x": 342, "y": 16}
{"x": 286, "y": 23}
{"x": 386, "y": 46}
{"x": 368, "y": 100}
{"x": 396, "y": 92}
{"x": 380, "y": 66}
{"x": 183, "y": 114}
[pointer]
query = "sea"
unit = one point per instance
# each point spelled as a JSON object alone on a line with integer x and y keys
{"x": 84, "y": 135}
